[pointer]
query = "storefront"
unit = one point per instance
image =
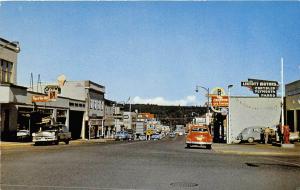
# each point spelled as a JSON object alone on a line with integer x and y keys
{"x": 292, "y": 113}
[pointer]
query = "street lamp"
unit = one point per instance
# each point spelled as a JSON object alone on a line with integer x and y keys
{"x": 228, "y": 116}
{"x": 207, "y": 90}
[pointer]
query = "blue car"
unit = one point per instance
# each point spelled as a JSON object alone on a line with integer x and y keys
{"x": 155, "y": 137}
{"x": 122, "y": 135}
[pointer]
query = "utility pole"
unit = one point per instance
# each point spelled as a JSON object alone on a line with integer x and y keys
{"x": 228, "y": 116}
{"x": 282, "y": 100}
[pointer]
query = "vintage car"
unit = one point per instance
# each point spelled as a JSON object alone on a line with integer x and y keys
{"x": 23, "y": 135}
{"x": 199, "y": 135}
{"x": 122, "y": 135}
{"x": 52, "y": 134}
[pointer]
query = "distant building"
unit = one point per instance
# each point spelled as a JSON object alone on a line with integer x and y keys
{"x": 93, "y": 95}
{"x": 292, "y": 116}
{"x": 129, "y": 120}
{"x": 109, "y": 120}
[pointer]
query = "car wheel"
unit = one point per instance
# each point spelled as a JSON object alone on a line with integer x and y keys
{"x": 56, "y": 142}
{"x": 208, "y": 147}
{"x": 250, "y": 139}
{"x": 67, "y": 141}
{"x": 188, "y": 145}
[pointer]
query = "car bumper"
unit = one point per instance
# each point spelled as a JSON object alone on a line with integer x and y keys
{"x": 198, "y": 143}
{"x": 43, "y": 139}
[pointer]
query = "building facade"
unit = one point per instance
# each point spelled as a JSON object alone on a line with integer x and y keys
{"x": 93, "y": 96}
{"x": 9, "y": 90}
{"x": 292, "y": 111}
{"x": 252, "y": 112}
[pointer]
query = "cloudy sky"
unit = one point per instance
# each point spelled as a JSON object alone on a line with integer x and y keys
{"x": 155, "y": 52}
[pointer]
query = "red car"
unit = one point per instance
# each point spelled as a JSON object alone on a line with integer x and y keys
{"x": 199, "y": 135}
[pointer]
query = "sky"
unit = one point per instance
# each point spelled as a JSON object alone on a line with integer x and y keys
{"x": 155, "y": 52}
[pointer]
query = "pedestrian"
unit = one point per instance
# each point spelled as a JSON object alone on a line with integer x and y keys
{"x": 262, "y": 135}
{"x": 279, "y": 132}
{"x": 267, "y": 134}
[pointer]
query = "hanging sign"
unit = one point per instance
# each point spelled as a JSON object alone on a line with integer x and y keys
{"x": 219, "y": 101}
{"x": 264, "y": 88}
{"x": 49, "y": 88}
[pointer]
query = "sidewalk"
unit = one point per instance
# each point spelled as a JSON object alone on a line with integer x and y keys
{"x": 256, "y": 149}
{"x": 5, "y": 144}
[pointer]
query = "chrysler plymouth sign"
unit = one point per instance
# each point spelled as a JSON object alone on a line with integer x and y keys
{"x": 264, "y": 88}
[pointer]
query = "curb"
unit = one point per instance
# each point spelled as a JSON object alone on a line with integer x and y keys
{"x": 74, "y": 142}
{"x": 257, "y": 153}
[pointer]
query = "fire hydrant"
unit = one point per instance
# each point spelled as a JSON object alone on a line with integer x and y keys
{"x": 286, "y": 134}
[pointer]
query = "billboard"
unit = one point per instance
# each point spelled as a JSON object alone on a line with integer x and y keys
{"x": 264, "y": 88}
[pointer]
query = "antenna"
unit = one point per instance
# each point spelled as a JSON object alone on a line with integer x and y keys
{"x": 39, "y": 83}
{"x": 31, "y": 81}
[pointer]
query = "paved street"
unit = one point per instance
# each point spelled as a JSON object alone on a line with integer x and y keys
{"x": 164, "y": 164}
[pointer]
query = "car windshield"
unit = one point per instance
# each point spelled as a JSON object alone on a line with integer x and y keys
{"x": 200, "y": 129}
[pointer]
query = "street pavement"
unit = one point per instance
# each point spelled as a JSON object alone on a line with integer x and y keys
{"x": 164, "y": 164}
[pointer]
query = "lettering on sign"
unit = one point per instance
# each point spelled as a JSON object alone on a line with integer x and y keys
{"x": 50, "y": 88}
{"x": 40, "y": 98}
{"x": 219, "y": 101}
{"x": 263, "y": 88}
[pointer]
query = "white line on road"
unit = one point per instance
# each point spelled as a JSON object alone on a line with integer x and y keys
{"x": 290, "y": 163}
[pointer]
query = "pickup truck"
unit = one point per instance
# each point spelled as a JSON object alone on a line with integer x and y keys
{"x": 52, "y": 134}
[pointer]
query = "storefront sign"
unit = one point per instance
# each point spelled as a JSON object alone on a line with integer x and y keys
{"x": 51, "y": 88}
{"x": 40, "y": 98}
{"x": 219, "y": 101}
{"x": 217, "y": 91}
{"x": 52, "y": 96}
{"x": 263, "y": 88}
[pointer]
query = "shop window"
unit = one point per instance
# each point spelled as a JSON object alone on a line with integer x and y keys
{"x": 6, "y": 71}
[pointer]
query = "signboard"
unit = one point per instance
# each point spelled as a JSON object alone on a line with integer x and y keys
{"x": 217, "y": 91}
{"x": 50, "y": 88}
{"x": 40, "y": 98}
{"x": 264, "y": 88}
{"x": 219, "y": 101}
{"x": 52, "y": 95}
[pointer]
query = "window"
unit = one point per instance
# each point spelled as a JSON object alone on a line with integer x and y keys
{"x": 6, "y": 71}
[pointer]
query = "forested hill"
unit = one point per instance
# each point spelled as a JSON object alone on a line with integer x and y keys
{"x": 169, "y": 115}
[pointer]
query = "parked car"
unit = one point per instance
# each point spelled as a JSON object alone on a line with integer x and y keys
{"x": 122, "y": 135}
{"x": 251, "y": 134}
{"x": 23, "y": 135}
{"x": 52, "y": 134}
{"x": 142, "y": 137}
{"x": 294, "y": 136}
{"x": 155, "y": 136}
{"x": 199, "y": 135}
{"x": 172, "y": 135}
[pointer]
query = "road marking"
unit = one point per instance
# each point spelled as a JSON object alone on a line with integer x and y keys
{"x": 65, "y": 187}
{"x": 290, "y": 163}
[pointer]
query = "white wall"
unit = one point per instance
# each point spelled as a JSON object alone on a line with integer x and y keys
{"x": 252, "y": 111}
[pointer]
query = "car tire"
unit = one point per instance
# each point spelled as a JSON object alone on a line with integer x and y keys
{"x": 208, "y": 147}
{"x": 250, "y": 140}
{"x": 67, "y": 141}
{"x": 188, "y": 146}
{"x": 56, "y": 142}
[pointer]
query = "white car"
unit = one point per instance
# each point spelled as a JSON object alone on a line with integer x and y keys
{"x": 23, "y": 134}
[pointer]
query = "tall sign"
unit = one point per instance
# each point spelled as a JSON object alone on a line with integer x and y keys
{"x": 264, "y": 88}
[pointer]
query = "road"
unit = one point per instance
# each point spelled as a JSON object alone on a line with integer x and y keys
{"x": 164, "y": 164}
